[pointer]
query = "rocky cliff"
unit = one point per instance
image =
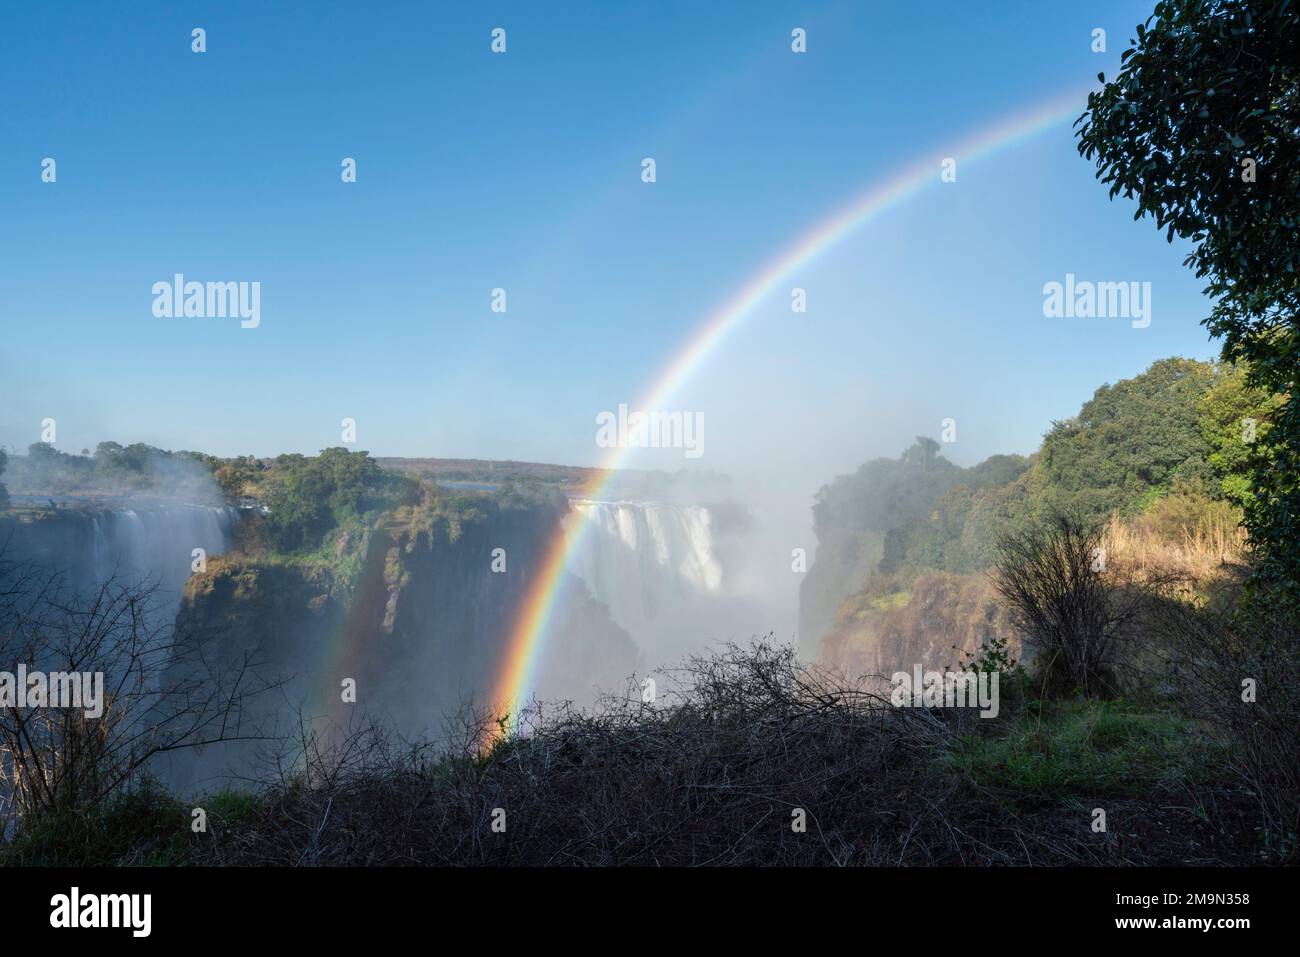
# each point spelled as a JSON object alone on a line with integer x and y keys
{"x": 940, "y": 616}
{"x": 410, "y": 609}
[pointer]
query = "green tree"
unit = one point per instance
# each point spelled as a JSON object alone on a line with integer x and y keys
{"x": 1235, "y": 418}
{"x": 1130, "y": 443}
{"x": 308, "y": 497}
{"x": 885, "y": 493}
{"x": 1200, "y": 127}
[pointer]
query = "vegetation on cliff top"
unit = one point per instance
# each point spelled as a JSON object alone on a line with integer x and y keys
{"x": 1165, "y": 452}
{"x": 112, "y": 470}
{"x": 1199, "y": 130}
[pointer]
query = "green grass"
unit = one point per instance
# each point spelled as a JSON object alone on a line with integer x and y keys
{"x": 145, "y": 827}
{"x": 230, "y": 809}
{"x": 142, "y": 827}
{"x": 1087, "y": 749}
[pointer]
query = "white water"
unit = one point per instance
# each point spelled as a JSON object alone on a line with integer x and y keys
{"x": 156, "y": 544}
{"x": 145, "y": 546}
{"x": 653, "y": 565}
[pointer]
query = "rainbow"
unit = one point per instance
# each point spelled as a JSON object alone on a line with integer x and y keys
{"x": 515, "y": 677}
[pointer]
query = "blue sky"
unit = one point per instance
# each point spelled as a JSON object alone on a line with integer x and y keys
{"x": 522, "y": 171}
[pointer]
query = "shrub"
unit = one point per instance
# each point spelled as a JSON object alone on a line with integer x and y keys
{"x": 1053, "y": 578}
{"x": 1237, "y": 668}
{"x": 994, "y": 657}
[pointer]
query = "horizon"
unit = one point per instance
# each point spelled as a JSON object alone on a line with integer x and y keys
{"x": 376, "y": 295}
{"x": 599, "y": 469}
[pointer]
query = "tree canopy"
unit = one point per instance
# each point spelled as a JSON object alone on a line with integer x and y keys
{"x": 1202, "y": 128}
{"x": 1132, "y": 441}
{"x": 310, "y": 496}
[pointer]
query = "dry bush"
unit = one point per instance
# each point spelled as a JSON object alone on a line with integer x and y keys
{"x": 1206, "y": 548}
{"x": 158, "y": 697}
{"x": 1074, "y": 608}
{"x": 708, "y": 775}
{"x": 1211, "y": 652}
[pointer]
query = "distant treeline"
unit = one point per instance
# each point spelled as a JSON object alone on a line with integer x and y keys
{"x": 110, "y": 470}
{"x": 1171, "y": 444}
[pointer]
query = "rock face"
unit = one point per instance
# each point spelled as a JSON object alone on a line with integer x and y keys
{"x": 942, "y": 616}
{"x": 144, "y": 544}
{"x": 143, "y": 548}
{"x": 414, "y": 615}
{"x": 843, "y": 560}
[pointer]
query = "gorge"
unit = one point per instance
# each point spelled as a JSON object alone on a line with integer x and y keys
{"x": 409, "y": 606}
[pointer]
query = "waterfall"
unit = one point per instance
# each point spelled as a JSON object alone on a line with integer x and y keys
{"x": 139, "y": 545}
{"x": 157, "y": 544}
{"x": 653, "y": 565}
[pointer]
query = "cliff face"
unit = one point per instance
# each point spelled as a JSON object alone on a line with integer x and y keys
{"x": 141, "y": 545}
{"x": 145, "y": 548}
{"x": 413, "y": 613}
{"x": 430, "y": 632}
{"x": 843, "y": 561}
{"x": 940, "y": 617}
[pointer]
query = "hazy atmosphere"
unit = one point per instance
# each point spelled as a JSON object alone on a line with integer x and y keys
{"x": 638, "y": 435}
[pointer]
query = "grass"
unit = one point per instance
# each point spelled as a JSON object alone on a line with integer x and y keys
{"x": 232, "y": 809}
{"x": 710, "y": 776}
{"x": 1087, "y": 749}
{"x": 898, "y": 599}
{"x": 145, "y": 827}
{"x": 1204, "y": 551}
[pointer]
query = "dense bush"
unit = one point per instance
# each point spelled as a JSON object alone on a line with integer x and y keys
{"x": 746, "y": 758}
{"x": 154, "y": 695}
{"x": 310, "y": 496}
{"x": 1199, "y": 130}
{"x": 1236, "y": 667}
{"x": 1073, "y": 617}
{"x": 113, "y": 469}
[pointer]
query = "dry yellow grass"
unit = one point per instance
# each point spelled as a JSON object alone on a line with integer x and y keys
{"x": 1212, "y": 548}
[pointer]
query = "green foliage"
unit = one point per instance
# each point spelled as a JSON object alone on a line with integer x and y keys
{"x": 1156, "y": 449}
{"x": 938, "y": 538}
{"x": 237, "y": 477}
{"x": 141, "y": 826}
{"x": 854, "y": 514}
{"x": 309, "y": 497}
{"x": 1088, "y": 749}
{"x": 1227, "y": 414}
{"x": 231, "y": 809}
{"x": 920, "y": 501}
{"x": 1208, "y": 94}
{"x": 1130, "y": 443}
{"x": 1189, "y": 513}
{"x": 995, "y": 657}
{"x": 885, "y": 493}
{"x": 112, "y": 469}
